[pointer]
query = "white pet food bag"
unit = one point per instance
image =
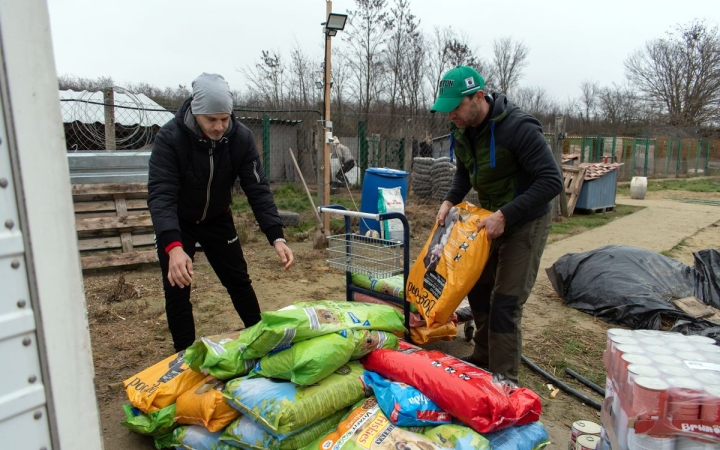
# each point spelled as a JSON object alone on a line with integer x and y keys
{"x": 391, "y": 200}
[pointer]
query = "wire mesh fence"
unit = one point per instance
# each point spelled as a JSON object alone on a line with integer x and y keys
{"x": 117, "y": 120}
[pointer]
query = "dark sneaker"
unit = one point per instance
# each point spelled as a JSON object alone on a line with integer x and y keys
{"x": 470, "y": 359}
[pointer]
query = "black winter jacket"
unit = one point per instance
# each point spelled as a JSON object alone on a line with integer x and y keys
{"x": 508, "y": 162}
{"x": 191, "y": 178}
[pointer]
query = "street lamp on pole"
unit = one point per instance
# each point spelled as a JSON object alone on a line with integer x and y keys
{"x": 334, "y": 23}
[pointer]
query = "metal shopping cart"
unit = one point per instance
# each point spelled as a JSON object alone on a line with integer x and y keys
{"x": 375, "y": 257}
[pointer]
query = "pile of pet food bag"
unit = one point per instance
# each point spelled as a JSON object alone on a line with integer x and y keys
{"x": 329, "y": 375}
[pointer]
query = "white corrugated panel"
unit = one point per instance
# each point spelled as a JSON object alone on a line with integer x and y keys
{"x": 138, "y": 109}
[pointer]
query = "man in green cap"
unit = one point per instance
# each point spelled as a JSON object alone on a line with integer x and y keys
{"x": 501, "y": 152}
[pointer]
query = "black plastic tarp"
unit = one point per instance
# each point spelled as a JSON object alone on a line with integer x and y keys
{"x": 634, "y": 287}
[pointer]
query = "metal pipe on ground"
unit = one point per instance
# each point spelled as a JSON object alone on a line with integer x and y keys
{"x": 585, "y": 381}
{"x": 556, "y": 382}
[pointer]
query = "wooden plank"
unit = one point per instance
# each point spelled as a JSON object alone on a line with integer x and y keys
{"x": 106, "y": 223}
{"x": 126, "y": 241}
{"x": 83, "y": 207}
{"x": 694, "y": 307}
{"x": 118, "y": 259}
{"x": 113, "y": 242}
{"x": 89, "y": 215}
{"x": 573, "y": 179}
{"x": 120, "y": 206}
{"x": 109, "y": 188}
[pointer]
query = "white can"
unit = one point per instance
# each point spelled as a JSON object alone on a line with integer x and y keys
{"x": 580, "y": 427}
{"x": 587, "y": 442}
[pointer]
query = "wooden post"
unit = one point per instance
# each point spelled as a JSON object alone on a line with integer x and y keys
{"x": 319, "y": 163}
{"x": 328, "y": 53}
{"x": 559, "y": 204}
{"x": 109, "y": 100}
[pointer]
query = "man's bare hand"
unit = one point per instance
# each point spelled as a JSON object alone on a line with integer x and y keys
{"x": 442, "y": 212}
{"x": 180, "y": 270}
{"x": 494, "y": 225}
{"x": 285, "y": 254}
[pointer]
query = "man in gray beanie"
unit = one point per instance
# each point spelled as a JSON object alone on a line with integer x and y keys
{"x": 195, "y": 161}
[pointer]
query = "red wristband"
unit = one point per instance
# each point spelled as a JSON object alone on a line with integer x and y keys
{"x": 172, "y": 245}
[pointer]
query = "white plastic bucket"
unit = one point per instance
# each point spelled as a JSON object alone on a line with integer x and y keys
{"x": 638, "y": 187}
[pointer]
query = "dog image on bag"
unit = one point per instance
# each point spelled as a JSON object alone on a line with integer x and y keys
{"x": 327, "y": 316}
{"x": 440, "y": 238}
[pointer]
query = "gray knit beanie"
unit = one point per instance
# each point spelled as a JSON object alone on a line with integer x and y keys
{"x": 211, "y": 95}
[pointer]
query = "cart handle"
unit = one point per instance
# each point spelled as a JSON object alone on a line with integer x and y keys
{"x": 346, "y": 212}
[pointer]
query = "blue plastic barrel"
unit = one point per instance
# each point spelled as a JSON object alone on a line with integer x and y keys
{"x": 375, "y": 178}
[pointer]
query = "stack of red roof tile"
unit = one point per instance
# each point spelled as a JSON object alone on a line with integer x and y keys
{"x": 594, "y": 171}
{"x": 567, "y": 158}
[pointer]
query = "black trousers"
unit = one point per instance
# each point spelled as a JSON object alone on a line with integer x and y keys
{"x": 347, "y": 167}
{"x": 219, "y": 241}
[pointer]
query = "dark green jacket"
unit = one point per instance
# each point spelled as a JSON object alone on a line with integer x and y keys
{"x": 510, "y": 165}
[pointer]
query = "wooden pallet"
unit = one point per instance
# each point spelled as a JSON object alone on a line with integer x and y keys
{"x": 113, "y": 224}
{"x": 573, "y": 179}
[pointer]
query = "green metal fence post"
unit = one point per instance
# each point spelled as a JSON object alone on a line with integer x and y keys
{"x": 613, "y": 148}
{"x": 582, "y": 150}
{"x": 679, "y": 159}
{"x": 668, "y": 155}
{"x": 266, "y": 145}
{"x": 647, "y": 155}
{"x": 697, "y": 155}
{"x": 401, "y": 154}
{"x": 632, "y": 157}
{"x": 707, "y": 158}
{"x": 362, "y": 149}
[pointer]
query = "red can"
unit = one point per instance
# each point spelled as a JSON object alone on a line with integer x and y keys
{"x": 710, "y": 409}
{"x": 649, "y": 398}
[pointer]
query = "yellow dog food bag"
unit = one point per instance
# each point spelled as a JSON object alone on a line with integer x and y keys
{"x": 204, "y": 404}
{"x": 449, "y": 264}
{"x": 160, "y": 385}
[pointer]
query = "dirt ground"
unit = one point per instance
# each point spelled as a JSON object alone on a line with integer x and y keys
{"x": 129, "y": 332}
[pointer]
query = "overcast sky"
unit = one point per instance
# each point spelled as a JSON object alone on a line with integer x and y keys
{"x": 170, "y": 42}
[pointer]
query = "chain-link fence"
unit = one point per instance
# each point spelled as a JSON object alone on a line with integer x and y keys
{"x": 655, "y": 157}
{"x": 114, "y": 120}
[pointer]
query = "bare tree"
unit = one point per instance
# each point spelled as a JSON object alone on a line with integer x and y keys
{"x": 404, "y": 32}
{"x": 414, "y": 62}
{"x": 439, "y": 57}
{"x": 681, "y": 72}
{"x": 268, "y": 78}
{"x": 340, "y": 76}
{"x": 509, "y": 60}
{"x": 618, "y": 105}
{"x": 303, "y": 92}
{"x": 83, "y": 84}
{"x": 588, "y": 100}
{"x": 535, "y": 100}
{"x": 366, "y": 37}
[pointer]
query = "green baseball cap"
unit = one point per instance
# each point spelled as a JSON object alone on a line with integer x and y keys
{"x": 456, "y": 84}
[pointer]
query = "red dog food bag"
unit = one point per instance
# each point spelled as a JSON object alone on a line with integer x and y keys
{"x": 467, "y": 392}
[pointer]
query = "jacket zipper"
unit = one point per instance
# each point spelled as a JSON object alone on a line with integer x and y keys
{"x": 257, "y": 176}
{"x": 212, "y": 169}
